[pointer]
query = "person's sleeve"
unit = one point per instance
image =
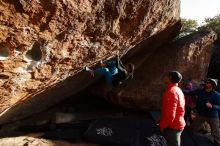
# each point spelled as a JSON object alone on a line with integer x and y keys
{"x": 168, "y": 110}
{"x": 216, "y": 105}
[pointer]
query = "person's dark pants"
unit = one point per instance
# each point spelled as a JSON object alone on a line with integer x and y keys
{"x": 108, "y": 71}
{"x": 187, "y": 115}
{"x": 214, "y": 124}
{"x": 172, "y": 136}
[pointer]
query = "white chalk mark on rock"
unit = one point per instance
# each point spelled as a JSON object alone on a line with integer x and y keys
{"x": 104, "y": 131}
{"x": 157, "y": 140}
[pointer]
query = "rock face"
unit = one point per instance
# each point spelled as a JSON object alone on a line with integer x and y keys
{"x": 45, "y": 44}
{"x": 24, "y": 140}
{"x": 189, "y": 55}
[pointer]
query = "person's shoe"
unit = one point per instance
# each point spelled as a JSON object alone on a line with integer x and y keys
{"x": 87, "y": 68}
{"x": 90, "y": 71}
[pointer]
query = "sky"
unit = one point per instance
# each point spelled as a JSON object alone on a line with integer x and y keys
{"x": 199, "y": 9}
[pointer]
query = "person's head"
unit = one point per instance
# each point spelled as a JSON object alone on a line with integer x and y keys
{"x": 130, "y": 69}
{"x": 172, "y": 77}
{"x": 189, "y": 86}
{"x": 210, "y": 84}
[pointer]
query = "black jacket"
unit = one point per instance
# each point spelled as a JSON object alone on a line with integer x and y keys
{"x": 122, "y": 74}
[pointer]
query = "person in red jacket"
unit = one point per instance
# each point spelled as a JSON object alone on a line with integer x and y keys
{"x": 172, "y": 120}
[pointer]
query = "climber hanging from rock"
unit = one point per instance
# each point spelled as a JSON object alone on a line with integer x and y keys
{"x": 114, "y": 71}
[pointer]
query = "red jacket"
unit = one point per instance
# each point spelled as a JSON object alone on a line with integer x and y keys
{"x": 173, "y": 108}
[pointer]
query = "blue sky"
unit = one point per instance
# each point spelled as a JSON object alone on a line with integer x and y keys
{"x": 199, "y": 9}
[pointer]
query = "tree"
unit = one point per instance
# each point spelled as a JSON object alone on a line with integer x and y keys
{"x": 188, "y": 26}
{"x": 214, "y": 24}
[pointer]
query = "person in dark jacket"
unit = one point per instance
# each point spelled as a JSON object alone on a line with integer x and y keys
{"x": 207, "y": 106}
{"x": 114, "y": 71}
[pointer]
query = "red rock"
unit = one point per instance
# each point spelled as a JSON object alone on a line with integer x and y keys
{"x": 46, "y": 44}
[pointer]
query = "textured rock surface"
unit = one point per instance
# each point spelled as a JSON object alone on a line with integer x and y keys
{"x": 30, "y": 141}
{"x": 189, "y": 55}
{"x": 45, "y": 44}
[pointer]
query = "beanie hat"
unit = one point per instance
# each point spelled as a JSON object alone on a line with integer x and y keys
{"x": 175, "y": 76}
{"x": 213, "y": 82}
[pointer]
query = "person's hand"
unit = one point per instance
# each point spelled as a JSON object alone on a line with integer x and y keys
{"x": 158, "y": 121}
{"x": 209, "y": 105}
{"x": 102, "y": 64}
{"x": 161, "y": 129}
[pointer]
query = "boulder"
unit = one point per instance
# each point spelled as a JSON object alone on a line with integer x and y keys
{"x": 189, "y": 55}
{"x": 44, "y": 45}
